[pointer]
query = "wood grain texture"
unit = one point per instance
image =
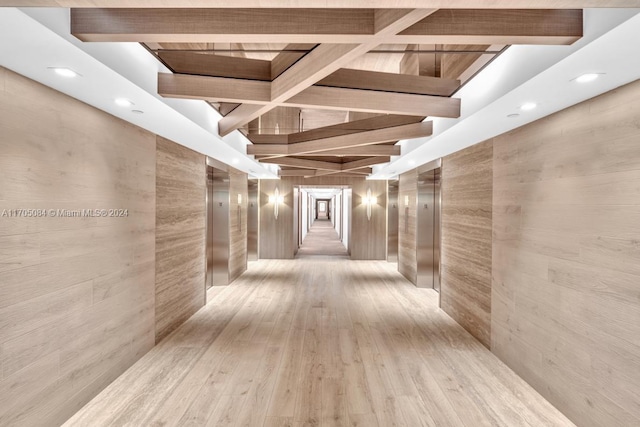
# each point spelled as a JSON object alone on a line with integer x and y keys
{"x": 322, "y": 342}
{"x": 407, "y": 225}
{"x": 467, "y": 188}
{"x": 390, "y": 82}
{"x": 238, "y": 186}
{"x": 229, "y": 25}
{"x": 276, "y": 235}
{"x": 565, "y": 313}
{"x": 330, "y": 4}
{"x": 180, "y": 235}
{"x": 369, "y": 237}
{"x": 76, "y": 293}
{"x": 483, "y": 26}
{"x": 204, "y": 64}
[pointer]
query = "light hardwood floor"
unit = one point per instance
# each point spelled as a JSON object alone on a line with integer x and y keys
{"x": 320, "y": 342}
{"x": 322, "y": 239}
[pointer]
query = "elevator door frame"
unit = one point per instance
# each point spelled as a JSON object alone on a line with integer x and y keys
{"x": 218, "y": 227}
{"x": 252, "y": 219}
{"x": 428, "y": 231}
{"x": 393, "y": 218}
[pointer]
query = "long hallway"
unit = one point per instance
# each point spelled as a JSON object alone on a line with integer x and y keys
{"x": 322, "y": 239}
{"x": 320, "y": 343}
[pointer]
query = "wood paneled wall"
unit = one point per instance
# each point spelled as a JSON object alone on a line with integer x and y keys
{"x": 276, "y": 235}
{"x": 467, "y": 188}
{"x": 407, "y": 262}
{"x": 566, "y": 258}
{"x": 180, "y": 235}
{"x": 369, "y": 236}
{"x": 76, "y": 293}
{"x": 238, "y": 185}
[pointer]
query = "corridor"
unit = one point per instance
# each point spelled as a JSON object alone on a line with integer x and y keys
{"x": 322, "y": 239}
{"x": 331, "y": 342}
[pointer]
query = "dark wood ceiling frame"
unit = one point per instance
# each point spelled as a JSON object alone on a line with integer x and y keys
{"x": 351, "y": 140}
{"x": 203, "y": 64}
{"x": 446, "y": 26}
{"x": 259, "y": 93}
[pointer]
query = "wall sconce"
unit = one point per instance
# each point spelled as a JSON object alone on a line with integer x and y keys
{"x": 369, "y": 201}
{"x": 406, "y": 201}
{"x": 276, "y": 199}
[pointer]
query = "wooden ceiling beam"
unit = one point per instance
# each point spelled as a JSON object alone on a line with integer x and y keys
{"x": 203, "y": 64}
{"x": 355, "y": 126}
{"x": 361, "y": 172}
{"x": 216, "y": 25}
{"x": 390, "y": 82}
{"x": 372, "y": 101}
{"x": 357, "y": 164}
{"x": 377, "y": 136}
{"x": 269, "y": 150}
{"x": 511, "y": 26}
{"x": 305, "y": 163}
{"x": 337, "y": 26}
{"x": 206, "y": 64}
{"x": 257, "y": 92}
{"x": 323, "y": 4}
{"x": 368, "y": 150}
{"x": 261, "y": 139}
{"x": 291, "y": 54}
{"x": 296, "y": 172}
{"x": 324, "y": 60}
{"x": 214, "y": 89}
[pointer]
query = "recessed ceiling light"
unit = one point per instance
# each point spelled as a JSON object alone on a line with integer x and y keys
{"x": 586, "y": 78}
{"x": 124, "y": 102}
{"x": 513, "y": 115}
{"x": 137, "y": 111}
{"x": 528, "y": 106}
{"x": 64, "y": 72}
{"x": 235, "y": 161}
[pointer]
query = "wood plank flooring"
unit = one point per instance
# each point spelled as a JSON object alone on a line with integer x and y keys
{"x": 320, "y": 342}
{"x": 322, "y": 239}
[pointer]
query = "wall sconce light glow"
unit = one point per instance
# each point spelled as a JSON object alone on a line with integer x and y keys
{"x": 276, "y": 199}
{"x": 64, "y": 72}
{"x": 586, "y": 78}
{"x": 406, "y": 201}
{"x": 369, "y": 201}
{"x": 124, "y": 102}
{"x": 528, "y": 106}
{"x": 239, "y": 199}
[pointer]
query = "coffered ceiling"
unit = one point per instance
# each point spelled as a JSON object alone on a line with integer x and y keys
{"x": 321, "y": 88}
{"x": 325, "y": 91}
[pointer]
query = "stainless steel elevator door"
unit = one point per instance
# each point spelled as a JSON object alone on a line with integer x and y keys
{"x": 252, "y": 221}
{"x": 428, "y": 230}
{"x": 217, "y": 227}
{"x": 392, "y": 218}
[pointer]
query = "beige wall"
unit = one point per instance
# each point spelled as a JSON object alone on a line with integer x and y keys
{"x": 76, "y": 293}
{"x": 566, "y": 258}
{"x": 465, "y": 290}
{"x": 180, "y": 235}
{"x": 276, "y": 235}
{"x": 407, "y": 256}
{"x": 368, "y": 238}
